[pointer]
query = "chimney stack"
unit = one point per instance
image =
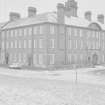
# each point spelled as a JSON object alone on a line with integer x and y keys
{"x": 14, "y": 16}
{"x": 100, "y": 18}
{"x": 60, "y": 13}
{"x": 31, "y": 11}
{"x": 88, "y": 15}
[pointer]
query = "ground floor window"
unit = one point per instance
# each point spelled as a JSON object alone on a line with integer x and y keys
{"x": 51, "y": 59}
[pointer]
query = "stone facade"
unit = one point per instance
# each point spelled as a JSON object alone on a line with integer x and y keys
{"x": 53, "y": 44}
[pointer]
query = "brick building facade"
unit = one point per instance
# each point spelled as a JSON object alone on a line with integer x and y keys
{"x": 53, "y": 38}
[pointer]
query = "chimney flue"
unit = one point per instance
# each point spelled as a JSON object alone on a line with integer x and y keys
{"x": 100, "y": 18}
{"x": 31, "y": 11}
{"x": 14, "y": 16}
{"x": 60, "y": 13}
{"x": 88, "y": 15}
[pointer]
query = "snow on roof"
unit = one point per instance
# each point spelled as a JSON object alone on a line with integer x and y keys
{"x": 51, "y": 17}
{"x": 41, "y": 18}
{"x": 81, "y": 22}
{"x": 2, "y": 24}
{"x": 76, "y": 21}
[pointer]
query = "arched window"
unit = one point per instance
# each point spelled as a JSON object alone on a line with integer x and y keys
{"x": 95, "y": 26}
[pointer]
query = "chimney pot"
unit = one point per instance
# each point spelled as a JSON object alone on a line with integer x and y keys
{"x": 31, "y": 11}
{"x": 14, "y": 16}
{"x": 100, "y": 18}
{"x": 88, "y": 15}
{"x": 60, "y": 13}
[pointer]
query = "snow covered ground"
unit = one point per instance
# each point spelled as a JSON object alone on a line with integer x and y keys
{"x": 18, "y": 87}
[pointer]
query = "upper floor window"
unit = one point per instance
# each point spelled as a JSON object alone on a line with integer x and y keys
{"x": 7, "y": 44}
{"x": 15, "y": 43}
{"x": 25, "y": 31}
{"x": 70, "y": 44}
{"x": 69, "y": 31}
{"x": 7, "y": 34}
{"x": 30, "y": 31}
{"x": 35, "y": 30}
{"x": 81, "y": 33}
{"x": 11, "y": 44}
{"x": 29, "y": 43}
{"x": 20, "y": 32}
{"x": 35, "y": 43}
{"x": 41, "y": 29}
{"x": 25, "y": 44}
{"x": 41, "y": 43}
{"x": 12, "y": 33}
{"x": 19, "y": 44}
{"x": 52, "y": 29}
{"x": 51, "y": 43}
{"x": 16, "y": 32}
{"x": 3, "y": 34}
{"x": 3, "y": 45}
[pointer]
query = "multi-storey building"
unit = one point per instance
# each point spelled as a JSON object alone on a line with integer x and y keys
{"x": 53, "y": 38}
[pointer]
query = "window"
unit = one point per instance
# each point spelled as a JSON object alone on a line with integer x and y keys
{"x": 15, "y": 57}
{"x": 35, "y": 44}
{"x": 72, "y": 32}
{"x": 70, "y": 44}
{"x": 35, "y": 30}
{"x": 30, "y": 31}
{"x": 81, "y": 32}
{"x": 81, "y": 47}
{"x": 69, "y": 58}
{"x": 12, "y": 33}
{"x": 35, "y": 59}
{"x": 3, "y": 35}
{"x": 29, "y": 43}
{"x": 7, "y": 45}
{"x": 19, "y": 57}
{"x": 52, "y": 59}
{"x": 20, "y": 32}
{"x": 40, "y": 29}
{"x": 25, "y": 44}
{"x": 97, "y": 35}
{"x": 41, "y": 43}
{"x": 76, "y": 44}
{"x": 25, "y": 31}
{"x": 69, "y": 31}
{"x": 7, "y": 34}
{"x": 51, "y": 43}
{"x": 52, "y": 29}
{"x": 77, "y": 32}
{"x": 24, "y": 58}
{"x": 15, "y": 43}
{"x": 3, "y": 45}
{"x": 40, "y": 59}
{"x": 16, "y": 32}
{"x": 11, "y": 44}
{"x": 19, "y": 44}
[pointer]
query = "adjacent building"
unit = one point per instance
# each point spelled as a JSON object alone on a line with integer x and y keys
{"x": 53, "y": 39}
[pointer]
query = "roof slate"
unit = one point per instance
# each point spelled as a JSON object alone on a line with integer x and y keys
{"x": 52, "y": 18}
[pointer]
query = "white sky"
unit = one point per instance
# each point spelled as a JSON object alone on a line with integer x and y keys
{"x": 6, "y": 6}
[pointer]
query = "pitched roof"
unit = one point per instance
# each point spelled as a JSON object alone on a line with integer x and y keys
{"x": 2, "y": 24}
{"x": 52, "y": 18}
{"x": 81, "y": 22}
{"x": 46, "y": 17}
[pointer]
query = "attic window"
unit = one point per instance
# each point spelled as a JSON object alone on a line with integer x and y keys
{"x": 95, "y": 26}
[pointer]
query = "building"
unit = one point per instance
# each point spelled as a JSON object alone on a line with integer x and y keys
{"x": 53, "y": 39}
